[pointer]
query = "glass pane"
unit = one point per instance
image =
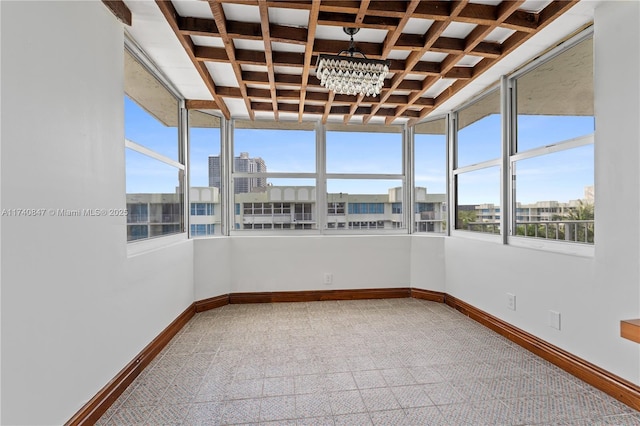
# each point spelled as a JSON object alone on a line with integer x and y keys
{"x": 261, "y": 150}
{"x": 478, "y": 200}
{"x": 204, "y": 162}
{"x": 358, "y": 152}
{"x": 151, "y": 111}
{"x": 364, "y": 204}
{"x": 431, "y": 178}
{"x": 280, "y": 204}
{"x": 154, "y": 197}
{"x": 480, "y": 131}
{"x": 555, "y": 100}
{"x": 144, "y": 129}
{"x": 555, "y": 197}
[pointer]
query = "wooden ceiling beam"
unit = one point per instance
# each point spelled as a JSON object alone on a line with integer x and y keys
{"x": 388, "y": 44}
{"x": 349, "y": 20}
{"x": 544, "y": 18}
{"x": 266, "y": 36}
{"x": 473, "y": 39}
{"x": 242, "y": 30}
{"x": 119, "y": 10}
{"x": 430, "y": 37}
{"x": 200, "y": 104}
{"x": 308, "y": 56}
{"x": 171, "y": 15}
{"x": 362, "y": 11}
{"x": 221, "y": 23}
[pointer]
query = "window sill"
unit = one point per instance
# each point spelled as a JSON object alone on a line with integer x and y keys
{"x": 574, "y": 249}
{"x": 137, "y": 248}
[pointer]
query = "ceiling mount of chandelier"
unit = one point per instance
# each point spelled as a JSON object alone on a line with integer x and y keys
{"x": 347, "y": 74}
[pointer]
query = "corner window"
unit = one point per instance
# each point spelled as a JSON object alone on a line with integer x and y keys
{"x": 205, "y": 176}
{"x": 430, "y": 176}
{"x": 477, "y": 171}
{"x": 154, "y": 172}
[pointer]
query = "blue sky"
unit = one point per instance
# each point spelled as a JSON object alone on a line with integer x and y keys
{"x": 561, "y": 176}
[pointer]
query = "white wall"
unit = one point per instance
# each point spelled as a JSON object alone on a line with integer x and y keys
{"x": 592, "y": 294}
{"x": 75, "y": 309}
{"x": 291, "y": 263}
{"x": 212, "y": 267}
{"x": 285, "y": 263}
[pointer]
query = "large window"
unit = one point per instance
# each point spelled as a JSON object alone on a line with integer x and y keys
{"x": 477, "y": 165}
{"x": 553, "y": 162}
{"x": 430, "y": 176}
{"x": 154, "y": 171}
{"x": 365, "y": 178}
{"x": 205, "y": 174}
{"x": 274, "y": 177}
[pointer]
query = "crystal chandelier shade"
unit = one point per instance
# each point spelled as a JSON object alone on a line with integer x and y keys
{"x": 348, "y": 75}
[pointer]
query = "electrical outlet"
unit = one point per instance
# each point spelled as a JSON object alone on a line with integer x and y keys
{"x": 511, "y": 301}
{"x": 328, "y": 278}
{"x": 554, "y": 320}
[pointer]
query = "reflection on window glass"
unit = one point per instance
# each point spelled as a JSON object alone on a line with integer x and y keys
{"x": 478, "y": 200}
{"x": 357, "y": 152}
{"x": 261, "y": 150}
{"x": 479, "y": 131}
{"x": 280, "y": 204}
{"x": 205, "y": 174}
{"x": 555, "y": 197}
{"x": 555, "y": 100}
{"x": 154, "y": 197}
{"x": 364, "y": 204}
{"x": 430, "y": 177}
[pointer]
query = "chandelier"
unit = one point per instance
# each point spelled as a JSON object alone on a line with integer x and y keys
{"x": 351, "y": 75}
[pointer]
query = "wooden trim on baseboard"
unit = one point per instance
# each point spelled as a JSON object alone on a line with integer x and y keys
{"x": 96, "y": 407}
{"x": 211, "y": 303}
{"x": 318, "y": 295}
{"x": 433, "y": 296}
{"x": 615, "y": 386}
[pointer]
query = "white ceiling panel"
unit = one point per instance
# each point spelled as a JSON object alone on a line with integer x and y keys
{"x": 458, "y": 30}
{"x": 241, "y": 12}
{"x": 417, "y": 26}
{"x": 222, "y": 74}
{"x": 438, "y": 87}
{"x": 433, "y": 57}
{"x": 207, "y": 41}
{"x": 249, "y": 44}
{"x": 499, "y": 35}
{"x": 287, "y": 47}
{"x": 193, "y": 9}
{"x": 290, "y": 17}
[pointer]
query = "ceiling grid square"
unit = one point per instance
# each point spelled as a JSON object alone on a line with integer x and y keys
{"x": 257, "y": 58}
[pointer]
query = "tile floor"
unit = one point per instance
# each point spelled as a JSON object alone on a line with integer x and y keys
{"x": 380, "y": 362}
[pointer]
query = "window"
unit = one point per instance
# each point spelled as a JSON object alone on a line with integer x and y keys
{"x": 154, "y": 172}
{"x": 205, "y": 174}
{"x": 553, "y": 162}
{"x": 274, "y": 177}
{"x": 430, "y": 176}
{"x": 364, "y": 171}
{"x": 202, "y": 209}
{"x": 477, "y": 165}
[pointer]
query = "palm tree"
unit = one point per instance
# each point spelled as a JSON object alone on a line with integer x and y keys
{"x": 584, "y": 231}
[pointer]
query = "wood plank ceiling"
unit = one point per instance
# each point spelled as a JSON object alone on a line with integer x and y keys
{"x": 435, "y": 48}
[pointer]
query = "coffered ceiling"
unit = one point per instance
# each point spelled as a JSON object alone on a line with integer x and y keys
{"x": 256, "y": 59}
